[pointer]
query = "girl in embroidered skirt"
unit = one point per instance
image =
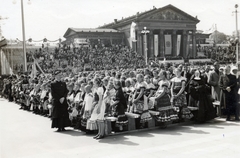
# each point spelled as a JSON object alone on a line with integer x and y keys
{"x": 161, "y": 101}
{"x": 87, "y": 107}
{"x": 139, "y": 107}
{"x": 178, "y": 98}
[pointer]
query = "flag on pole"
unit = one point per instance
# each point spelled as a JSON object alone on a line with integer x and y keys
{"x": 178, "y": 44}
{"x": 132, "y": 34}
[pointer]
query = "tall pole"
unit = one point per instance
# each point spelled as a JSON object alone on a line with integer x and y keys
{"x": 145, "y": 48}
{"x": 24, "y": 44}
{"x": 145, "y": 32}
{"x": 237, "y": 38}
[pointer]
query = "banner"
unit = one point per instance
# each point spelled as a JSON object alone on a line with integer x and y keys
{"x": 132, "y": 34}
{"x": 34, "y": 70}
{"x": 168, "y": 44}
{"x": 156, "y": 45}
{"x": 5, "y": 65}
{"x": 178, "y": 44}
{"x": 188, "y": 40}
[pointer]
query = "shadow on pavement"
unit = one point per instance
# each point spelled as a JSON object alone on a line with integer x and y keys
{"x": 116, "y": 140}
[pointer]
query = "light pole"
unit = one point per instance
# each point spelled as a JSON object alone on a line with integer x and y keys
{"x": 237, "y": 35}
{"x": 145, "y": 32}
{"x": 23, "y": 36}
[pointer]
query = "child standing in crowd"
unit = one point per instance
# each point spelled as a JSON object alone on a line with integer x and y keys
{"x": 96, "y": 121}
{"x": 87, "y": 108}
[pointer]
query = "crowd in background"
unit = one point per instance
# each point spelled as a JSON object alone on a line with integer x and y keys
{"x": 113, "y": 57}
{"x": 172, "y": 90}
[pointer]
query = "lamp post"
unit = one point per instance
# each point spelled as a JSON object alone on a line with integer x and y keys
{"x": 145, "y": 32}
{"x": 23, "y": 36}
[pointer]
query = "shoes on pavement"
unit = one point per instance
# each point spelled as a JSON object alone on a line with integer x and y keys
{"x": 100, "y": 137}
{"x": 59, "y": 130}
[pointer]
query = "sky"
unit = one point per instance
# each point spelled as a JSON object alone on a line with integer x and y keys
{"x": 51, "y": 18}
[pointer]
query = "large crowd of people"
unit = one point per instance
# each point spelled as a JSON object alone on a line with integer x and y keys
{"x": 117, "y": 56}
{"x": 86, "y": 99}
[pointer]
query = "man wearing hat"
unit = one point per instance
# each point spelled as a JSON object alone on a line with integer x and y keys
{"x": 59, "y": 91}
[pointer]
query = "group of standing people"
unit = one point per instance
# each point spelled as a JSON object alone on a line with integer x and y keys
{"x": 89, "y": 98}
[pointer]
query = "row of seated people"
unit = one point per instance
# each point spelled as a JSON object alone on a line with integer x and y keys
{"x": 119, "y": 96}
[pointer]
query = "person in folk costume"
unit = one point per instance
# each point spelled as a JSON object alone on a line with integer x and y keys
{"x": 93, "y": 123}
{"x": 35, "y": 99}
{"x": 71, "y": 94}
{"x": 199, "y": 98}
{"x": 120, "y": 105}
{"x": 60, "y": 116}
{"x": 155, "y": 80}
{"x": 50, "y": 103}
{"x": 44, "y": 98}
{"x": 139, "y": 102}
{"x": 128, "y": 91}
{"x": 75, "y": 115}
{"x": 178, "y": 97}
{"x": 96, "y": 121}
{"x": 76, "y": 101}
{"x": 86, "y": 110}
{"x": 228, "y": 98}
{"x": 161, "y": 100}
{"x": 149, "y": 91}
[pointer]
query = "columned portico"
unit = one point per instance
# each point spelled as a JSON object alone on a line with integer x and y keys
{"x": 169, "y": 29}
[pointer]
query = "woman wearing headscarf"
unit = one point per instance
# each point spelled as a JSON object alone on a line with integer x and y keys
{"x": 199, "y": 98}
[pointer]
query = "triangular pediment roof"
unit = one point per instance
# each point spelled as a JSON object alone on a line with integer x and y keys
{"x": 167, "y": 13}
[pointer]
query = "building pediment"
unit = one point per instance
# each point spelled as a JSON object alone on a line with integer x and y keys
{"x": 169, "y": 13}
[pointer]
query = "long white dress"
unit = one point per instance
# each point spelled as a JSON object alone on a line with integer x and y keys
{"x": 91, "y": 123}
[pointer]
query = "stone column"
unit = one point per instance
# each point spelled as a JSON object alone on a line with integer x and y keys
{"x": 161, "y": 43}
{"x": 174, "y": 43}
{"x": 184, "y": 43}
{"x": 139, "y": 43}
{"x": 194, "y": 51}
{"x": 151, "y": 44}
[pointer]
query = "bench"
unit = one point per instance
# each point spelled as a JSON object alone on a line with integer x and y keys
{"x": 108, "y": 124}
{"x": 131, "y": 120}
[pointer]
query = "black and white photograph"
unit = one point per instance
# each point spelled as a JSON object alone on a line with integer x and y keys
{"x": 119, "y": 78}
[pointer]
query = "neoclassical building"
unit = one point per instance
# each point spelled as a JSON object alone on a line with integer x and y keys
{"x": 159, "y": 32}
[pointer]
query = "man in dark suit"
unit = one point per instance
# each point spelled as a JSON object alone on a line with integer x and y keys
{"x": 60, "y": 116}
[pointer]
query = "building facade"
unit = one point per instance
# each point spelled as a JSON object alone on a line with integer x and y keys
{"x": 169, "y": 31}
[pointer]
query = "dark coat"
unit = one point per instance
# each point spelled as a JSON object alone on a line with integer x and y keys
{"x": 59, "y": 90}
{"x": 228, "y": 99}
